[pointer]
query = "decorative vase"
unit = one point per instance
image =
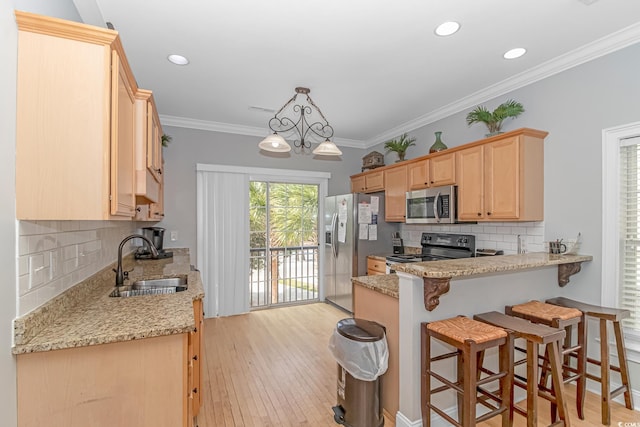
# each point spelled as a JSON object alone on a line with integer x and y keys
{"x": 400, "y": 157}
{"x": 494, "y": 133}
{"x": 438, "y": 145}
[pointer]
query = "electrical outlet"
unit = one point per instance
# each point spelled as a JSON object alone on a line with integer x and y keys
{"x": 174, "y": 236}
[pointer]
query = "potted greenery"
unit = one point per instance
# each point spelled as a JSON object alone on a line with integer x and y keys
{"x": 493, "y": 120}
{"x": 399, "y": 145}
{"x": 166, "y": 139}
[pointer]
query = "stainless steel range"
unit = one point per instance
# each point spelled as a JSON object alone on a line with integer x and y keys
{"x": 436, "y": 247}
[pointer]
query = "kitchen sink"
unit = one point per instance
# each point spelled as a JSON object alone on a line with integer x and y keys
{"x": 167, "y": 285}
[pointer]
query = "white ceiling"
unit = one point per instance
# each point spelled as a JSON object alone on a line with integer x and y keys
{"x": 374, "y": 68}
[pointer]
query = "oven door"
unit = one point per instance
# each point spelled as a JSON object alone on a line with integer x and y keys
{"x": 431, "y": 206}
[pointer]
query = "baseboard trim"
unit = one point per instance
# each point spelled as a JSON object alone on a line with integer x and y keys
{"x": 436, "y": 420}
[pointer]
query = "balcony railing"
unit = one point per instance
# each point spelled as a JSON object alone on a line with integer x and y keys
{"x": 283, "y": 275}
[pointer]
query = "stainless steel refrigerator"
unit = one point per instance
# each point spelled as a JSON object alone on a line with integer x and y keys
{"x": 349, "y": 239}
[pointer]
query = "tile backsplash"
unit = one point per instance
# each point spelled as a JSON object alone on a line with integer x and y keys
{"x": 55, "y": 255}
{"x": 494, "y": 235}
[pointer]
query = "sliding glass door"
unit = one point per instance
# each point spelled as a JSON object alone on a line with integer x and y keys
{"x": 283, "y": 224}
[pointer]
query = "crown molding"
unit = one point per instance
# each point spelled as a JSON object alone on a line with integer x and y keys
{"x": 185, "y": 122}
{"x": 601, "y": 47}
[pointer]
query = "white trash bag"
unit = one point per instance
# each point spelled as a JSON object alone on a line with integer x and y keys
{"x": 365, "y": 361}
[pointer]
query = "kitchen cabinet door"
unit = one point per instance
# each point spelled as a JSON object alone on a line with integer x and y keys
{"x": 502, "y": 179}
{"x": 75, "y": 122}
{"x": 470, "y": 179}
{"x": 369, "y": 182}
{"x": 147, "y": 141}
{"x": 131, "y": 383}
{"x": 395, "y": 193}
{"x": 432, "y": 172}
{"x": 122, "y": 144}
{"x": 442, "y": 170}
{"x": 418, "y": 175}
{"x": 195, "y": 357}
{"x": 156, "y": 210}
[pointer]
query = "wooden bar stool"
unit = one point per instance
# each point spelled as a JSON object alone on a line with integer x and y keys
{"x": 470, "y": 338}
{"x": 535, "y": 335}
{"x": 563, "y": 318}
{"x": 614, "y": 315}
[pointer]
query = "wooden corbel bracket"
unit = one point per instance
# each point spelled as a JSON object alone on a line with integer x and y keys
{"x": 433, "y": 288}
{"x": 566, "y": 270}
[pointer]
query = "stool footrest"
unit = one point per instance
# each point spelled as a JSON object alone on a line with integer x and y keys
{"x": 443, "y": 414}
{"x": 446, "y": 356}
{"x": 618, "y": 391}
{"x": 450, "y": 384}
{"x": 599, "y": 363}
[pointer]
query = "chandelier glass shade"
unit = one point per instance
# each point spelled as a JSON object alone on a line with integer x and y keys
{"x": 308, "y": 123}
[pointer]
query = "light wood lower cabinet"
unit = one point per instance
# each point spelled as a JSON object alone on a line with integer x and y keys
{"x": 375, "y": 266}
{"x": 152, "y": 382}
{"x": 371, "y": 305}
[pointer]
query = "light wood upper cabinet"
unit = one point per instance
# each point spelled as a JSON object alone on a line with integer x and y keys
{"x": 123, "y": 109}
{"x": 369, "y": 182}
{"x": 470, "y": 181}
{"x": 75, "y": 122}
{"x": 148, "y": 149}
{"x": 503, "y": 180}
{"x": 395, "y": 193}
{"x": 432, "y": 172}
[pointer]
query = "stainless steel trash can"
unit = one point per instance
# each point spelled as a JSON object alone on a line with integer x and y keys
{"x": 365, "y": 352}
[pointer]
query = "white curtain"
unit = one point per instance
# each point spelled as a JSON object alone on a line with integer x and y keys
{"x": 222, "y": 240}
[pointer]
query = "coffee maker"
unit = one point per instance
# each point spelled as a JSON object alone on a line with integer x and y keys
{"x": 156, "y": 235}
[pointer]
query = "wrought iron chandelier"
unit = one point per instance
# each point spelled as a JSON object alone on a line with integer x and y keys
{"x": 300, "y": 124}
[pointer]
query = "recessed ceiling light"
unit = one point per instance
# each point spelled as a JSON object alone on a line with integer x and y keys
{"x": 447, "y": 28}
{"x": 178, "y": 59}
{"x": 514, "y": 53}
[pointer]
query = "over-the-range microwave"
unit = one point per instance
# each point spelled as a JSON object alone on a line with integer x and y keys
{"x": 435, "y": 205}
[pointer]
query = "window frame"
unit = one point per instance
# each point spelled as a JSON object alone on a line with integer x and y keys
{"x": 611, "y": 138}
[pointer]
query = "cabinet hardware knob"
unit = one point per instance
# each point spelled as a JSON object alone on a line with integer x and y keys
{"x": 138, "y": 209}
{"x": 195, "y": 357}
{"x": 488, "y": 213}
{"x": 159, "y": 171}
{"x": 195, "y": 330}
{"x": 432, "y": 182}
{"x": 479, "y": 214}
{"x": 195, "y": 390}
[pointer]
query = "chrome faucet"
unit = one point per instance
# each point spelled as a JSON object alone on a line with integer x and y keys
{"x": 121, "y": 275}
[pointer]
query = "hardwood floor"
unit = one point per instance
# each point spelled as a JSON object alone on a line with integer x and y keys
{"x": 620, "y": 416}
{"x": 270, "y": 368}
{"x": 273, "y": 368}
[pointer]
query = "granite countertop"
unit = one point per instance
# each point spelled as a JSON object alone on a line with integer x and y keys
{"x": 85, "y": 314}
{"x": 491, "y": 264}
{"x": 386, "y": 284}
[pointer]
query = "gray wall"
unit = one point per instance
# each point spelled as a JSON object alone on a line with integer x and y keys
{"x": 574, "y": 107}
{"x": 190, "y": 147}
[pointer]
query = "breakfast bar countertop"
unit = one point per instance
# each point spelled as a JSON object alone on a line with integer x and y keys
{"x": 485, "y": 265}
{"x": 85, "y": 315}
{"x": 386, "y": 284}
